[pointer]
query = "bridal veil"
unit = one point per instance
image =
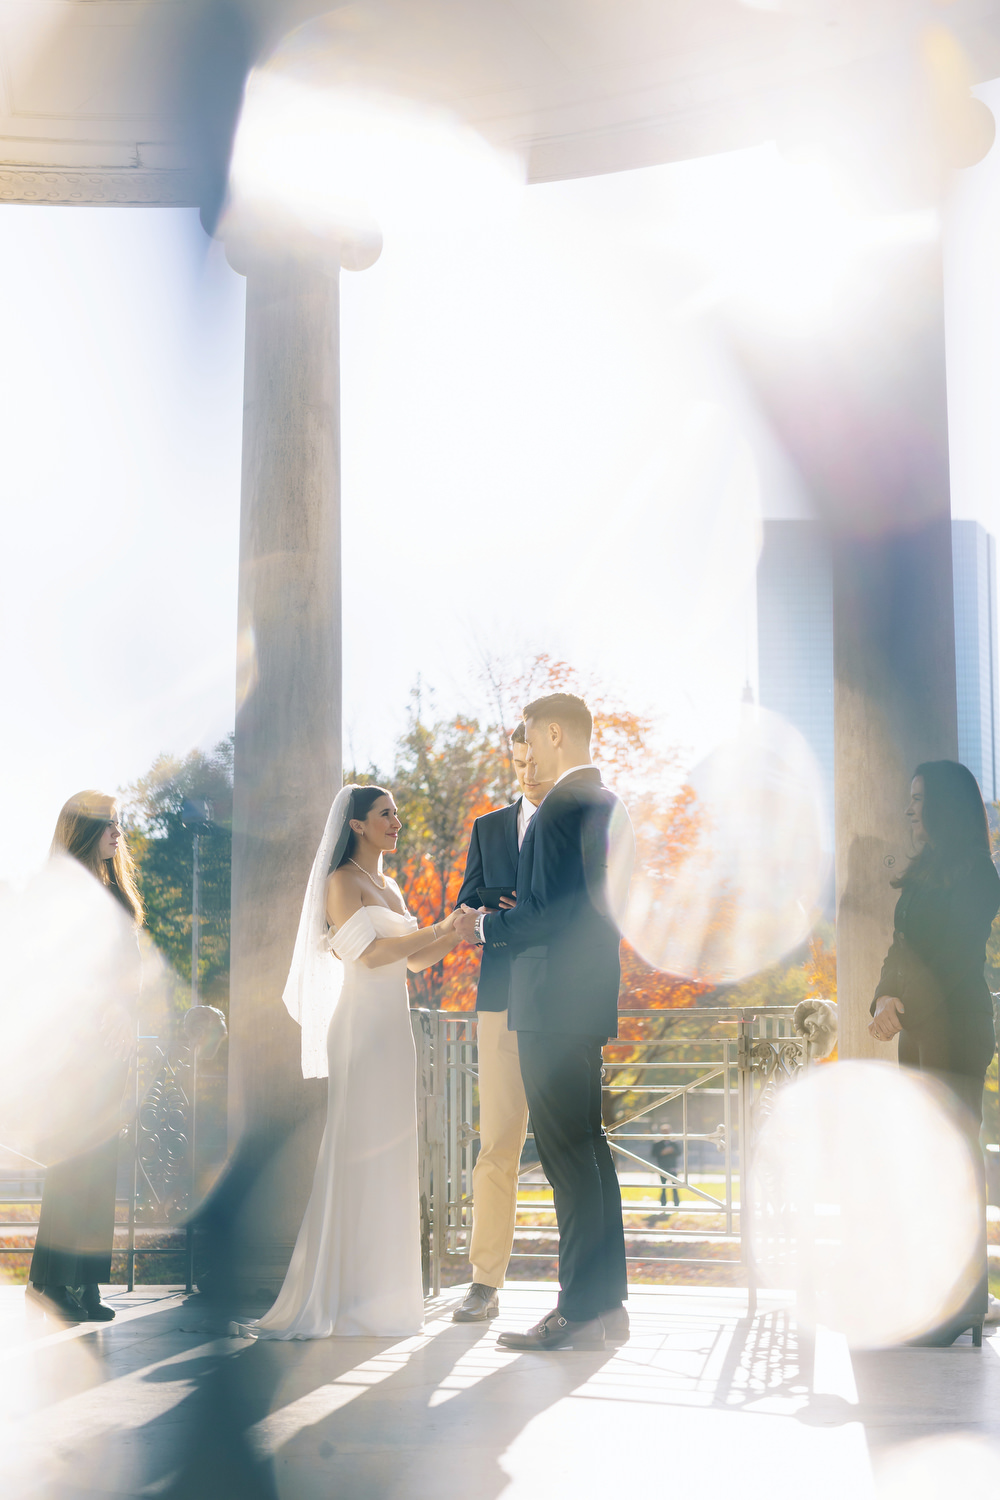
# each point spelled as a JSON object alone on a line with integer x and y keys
{"x": 316, "y": 976}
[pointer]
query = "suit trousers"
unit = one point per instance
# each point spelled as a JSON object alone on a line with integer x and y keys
{"x": 562, "y": 1082}
{"x": 958, "y": 1052}
{"x": 503, "y": 1125}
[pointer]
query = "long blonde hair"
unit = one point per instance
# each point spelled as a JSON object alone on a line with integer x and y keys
{"x": 79, "y": 829}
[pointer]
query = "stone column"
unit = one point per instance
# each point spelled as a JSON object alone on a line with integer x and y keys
{"x": 288, "y": 730}
{"x": 861, "y": 410}
{"x": 894, "y": 706}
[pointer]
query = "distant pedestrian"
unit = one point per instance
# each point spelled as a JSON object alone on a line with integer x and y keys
{"x": 666, "y": 1152}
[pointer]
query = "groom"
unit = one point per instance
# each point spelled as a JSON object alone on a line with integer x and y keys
{"x": 562, "y": 937}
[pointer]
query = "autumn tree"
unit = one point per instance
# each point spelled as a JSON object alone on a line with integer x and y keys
{"x": 445, "y": 774}
{"x": 664, "y": 811}
{"x": 669, "y": 826}
{"x": 667, "y": 823}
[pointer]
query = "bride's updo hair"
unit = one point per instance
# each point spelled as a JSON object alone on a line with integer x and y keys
{"x": 363, "y": 799}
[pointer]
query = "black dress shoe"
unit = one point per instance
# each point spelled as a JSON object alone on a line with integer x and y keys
{"x": 616, "y": 1325}
{"x": 556, "y": 1332}
{"x": 55, "y": 1302}
{"x": 481, "y": 1303}
{"x": 96, "y": 1310}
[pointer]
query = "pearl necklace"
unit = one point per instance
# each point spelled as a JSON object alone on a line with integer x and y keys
{"x": 371, "y": 877}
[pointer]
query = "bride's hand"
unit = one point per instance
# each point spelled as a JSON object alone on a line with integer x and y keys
{"x": 447, "y": 926}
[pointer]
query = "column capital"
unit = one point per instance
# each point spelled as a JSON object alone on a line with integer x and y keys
{"x": 255, "y": 236}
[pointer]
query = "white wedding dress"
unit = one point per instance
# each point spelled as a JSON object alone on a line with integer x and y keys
{"x": 355, "y": 1269}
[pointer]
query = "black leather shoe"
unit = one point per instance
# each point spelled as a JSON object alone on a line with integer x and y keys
{"x": 481, "y": 1303}
{"x": 556, "y": 1332}
{"x": 616, "y": 1325}
{"x": 55, "y": 1302}
{"x": 96, "y": 1310}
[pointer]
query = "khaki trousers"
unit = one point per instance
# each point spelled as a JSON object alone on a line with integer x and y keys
{"x": 503, "y": 1124}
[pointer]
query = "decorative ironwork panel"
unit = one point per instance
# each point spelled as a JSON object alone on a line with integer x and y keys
{"x": 161, "y": 1132}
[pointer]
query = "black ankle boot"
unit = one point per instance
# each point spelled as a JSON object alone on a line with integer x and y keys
{"x": 945, "y": 1336}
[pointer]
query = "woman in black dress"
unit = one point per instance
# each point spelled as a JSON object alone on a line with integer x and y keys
{"x": 933, "y": 990}
{"x": 72, "y": 1254}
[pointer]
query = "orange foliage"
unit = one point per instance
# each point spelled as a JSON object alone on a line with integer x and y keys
{"x": 665, "y": 815}
{"x": 821, "y": 969}
{"x": 448, "y": 774}
{"x": 645, "y": 988}
{"x": 451, "y": 985}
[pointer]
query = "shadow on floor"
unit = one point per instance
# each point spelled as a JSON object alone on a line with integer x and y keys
{"x": 365, "y": 1419}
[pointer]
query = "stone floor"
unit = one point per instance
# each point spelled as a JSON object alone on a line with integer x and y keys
{"x": 701, "y": 1401}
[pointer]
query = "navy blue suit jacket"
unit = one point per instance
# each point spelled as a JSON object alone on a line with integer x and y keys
{"x": 563, "y": 935}
{"x": 492, "y": 861}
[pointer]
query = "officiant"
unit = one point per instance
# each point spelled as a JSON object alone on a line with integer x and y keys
{"x": 932, "y": 992}
{"x": 491, "y": 867}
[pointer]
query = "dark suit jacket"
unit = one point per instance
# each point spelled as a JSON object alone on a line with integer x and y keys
{"x": 563, "y": 934}
{"x": 493, "y": 856}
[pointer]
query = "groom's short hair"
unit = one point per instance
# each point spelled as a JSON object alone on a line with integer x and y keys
{"x": 564, "y": 709}
{"x": 516, "y": 735}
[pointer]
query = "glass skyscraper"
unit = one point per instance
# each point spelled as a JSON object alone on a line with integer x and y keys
{"x": 795, "y": 642}
{"x": 974, "y": 565}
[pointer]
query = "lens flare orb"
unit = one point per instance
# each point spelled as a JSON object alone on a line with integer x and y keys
{"x": 864, "y": 1197}
{"x": 748, "y": 888}
{"x": 69, "y": 981}
{"x": 956, "y": 1464}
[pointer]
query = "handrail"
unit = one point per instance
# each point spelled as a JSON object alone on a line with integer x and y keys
{"x": 748, "y": 1062}
{"x": 751, "y": 1053}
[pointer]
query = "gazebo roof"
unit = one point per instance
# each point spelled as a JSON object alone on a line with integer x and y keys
{"x": 96, "y": 99}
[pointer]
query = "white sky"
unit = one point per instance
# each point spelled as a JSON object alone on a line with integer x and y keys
{"x": 536, "y": 419}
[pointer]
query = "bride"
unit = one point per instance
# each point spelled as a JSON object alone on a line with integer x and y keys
{"x": 355, "y": 1269}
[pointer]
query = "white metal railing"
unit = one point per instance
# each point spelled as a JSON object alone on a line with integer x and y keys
{"x": 733, "y": 1061}
{"x": 717, "y": 1068}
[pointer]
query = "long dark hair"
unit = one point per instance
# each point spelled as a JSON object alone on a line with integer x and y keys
{"x": 954, "y": 816}
{"x": 79, "y": 829}
{"x": 363, "y": 799}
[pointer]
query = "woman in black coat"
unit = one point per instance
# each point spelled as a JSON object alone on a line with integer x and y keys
{"x": 933, "y": 992}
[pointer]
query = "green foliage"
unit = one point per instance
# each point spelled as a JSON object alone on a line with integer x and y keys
{"x": 162, "y": 849}
{"x": 811, "y": 971}
{"x": 781, "y": 984}
{"x": 993, "y": 958}
{"x": 991, "y": 1106}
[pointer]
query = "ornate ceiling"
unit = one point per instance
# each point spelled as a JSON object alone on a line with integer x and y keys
{"x": 135, "y": 100}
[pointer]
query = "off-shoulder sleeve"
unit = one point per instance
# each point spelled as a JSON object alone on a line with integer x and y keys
{"x": 357, "y": 934}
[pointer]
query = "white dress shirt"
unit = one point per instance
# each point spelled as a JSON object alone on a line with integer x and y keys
{"x": 525, "y": 813}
